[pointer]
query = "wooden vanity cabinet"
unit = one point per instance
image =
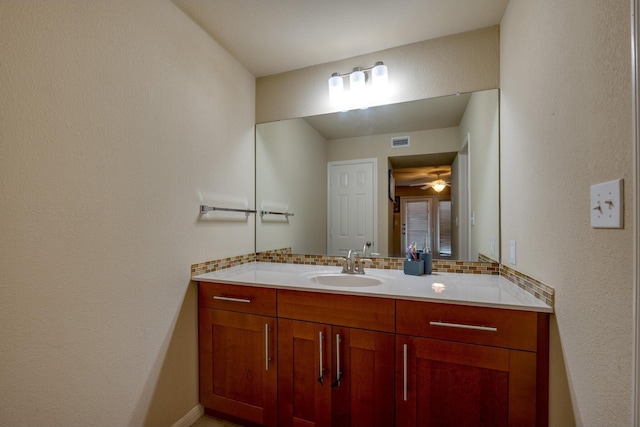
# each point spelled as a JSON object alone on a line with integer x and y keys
{"x": 293, "y": 358}
{"x": 470, "y": 366}
{"x": 238, "y": 352}
{"x": 335, "y": 374}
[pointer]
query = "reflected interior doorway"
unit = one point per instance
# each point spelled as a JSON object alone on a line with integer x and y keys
{"x": 426, "y": 221}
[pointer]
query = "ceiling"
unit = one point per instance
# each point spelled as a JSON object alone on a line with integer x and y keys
{"x": 435, "y": 166}
{"x": 274, "y": 36}
{"x": 424, "y": 114}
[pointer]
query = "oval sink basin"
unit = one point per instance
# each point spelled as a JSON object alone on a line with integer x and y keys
{"x": 345, "y": 280}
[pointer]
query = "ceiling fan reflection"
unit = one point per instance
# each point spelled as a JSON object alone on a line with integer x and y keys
{"x": 436, "y": 182}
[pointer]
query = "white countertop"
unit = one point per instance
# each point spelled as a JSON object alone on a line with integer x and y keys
{"x": 470, "y": 289}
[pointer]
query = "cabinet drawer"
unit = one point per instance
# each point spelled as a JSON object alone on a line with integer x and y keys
{"x": 476, "y": 325}
{"x": 245, "y": 299}
{"x": 344, "y": 310}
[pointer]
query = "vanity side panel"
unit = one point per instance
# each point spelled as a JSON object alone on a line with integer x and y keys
{"x": 542, "y": 370}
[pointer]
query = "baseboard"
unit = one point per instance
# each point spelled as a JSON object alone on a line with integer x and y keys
{"x": 191, "y": 417}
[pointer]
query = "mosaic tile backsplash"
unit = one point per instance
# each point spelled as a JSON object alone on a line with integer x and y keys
{"x": 536, "y": 288}
{"x": 221, "y": 264}
{"x": 485, "y": 265}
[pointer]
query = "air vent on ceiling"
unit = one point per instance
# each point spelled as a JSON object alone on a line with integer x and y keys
{"x": 399, "y": 141}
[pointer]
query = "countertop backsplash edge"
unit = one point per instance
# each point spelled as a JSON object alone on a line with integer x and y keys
{"x": 486, "y": 265}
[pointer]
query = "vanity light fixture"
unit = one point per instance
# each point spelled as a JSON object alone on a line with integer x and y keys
{"x": 358, "y": 82}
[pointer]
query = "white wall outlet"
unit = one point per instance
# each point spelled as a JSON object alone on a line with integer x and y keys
{"x": 492, "y": 246}
{"x": 606, "y": 204}
{"x": 512, "y": 252}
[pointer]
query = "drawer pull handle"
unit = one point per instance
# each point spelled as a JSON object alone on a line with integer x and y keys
{"x": 460, "y": 326}
{"x": 244, "y": 300}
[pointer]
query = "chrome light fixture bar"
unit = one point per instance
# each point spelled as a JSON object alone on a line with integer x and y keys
{"x": 358, "y": 81}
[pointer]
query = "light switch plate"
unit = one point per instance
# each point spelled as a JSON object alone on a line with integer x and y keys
{"x": 607, "y": 204}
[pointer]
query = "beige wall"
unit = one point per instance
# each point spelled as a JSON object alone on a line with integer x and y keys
{"x": 291, "y": 167}
{"x": 565, "y": 125}
{"x": 118, "y": 118}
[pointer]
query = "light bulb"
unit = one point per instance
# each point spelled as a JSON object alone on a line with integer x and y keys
{"x": 336, "y": 87}
{"x": 379, "y": 75}
{"x": 357, "y": 82}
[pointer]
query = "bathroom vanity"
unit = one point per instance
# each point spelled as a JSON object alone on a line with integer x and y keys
{"x": 279, "y": 347}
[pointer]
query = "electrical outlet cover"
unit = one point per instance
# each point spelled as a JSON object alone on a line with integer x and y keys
{"x": 607, "y": 204}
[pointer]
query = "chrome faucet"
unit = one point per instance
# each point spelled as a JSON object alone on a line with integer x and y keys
{"x": 352, "y": 264}
{"x": 364, "y": 248}
{"x": 349, "y": 262}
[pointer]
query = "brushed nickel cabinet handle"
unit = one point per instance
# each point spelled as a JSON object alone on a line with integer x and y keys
{"x": 461, "y": 326}
{"x": 338, "y": 373}
{"x": 266, "y": 347}
{"x": 404, "y": 373}
{"x": 231, "y": 299}
{"x": 321, "y": 373}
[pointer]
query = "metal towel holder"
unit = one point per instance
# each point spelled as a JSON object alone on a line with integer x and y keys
{"x": 287, "y": 214}
{"x": 204, "y": 209}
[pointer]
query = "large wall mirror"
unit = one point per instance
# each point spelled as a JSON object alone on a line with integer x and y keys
{"x": 423, "y": 171}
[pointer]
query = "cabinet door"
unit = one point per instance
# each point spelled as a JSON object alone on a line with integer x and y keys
{"x": 304, "y": 373}
{"x": 238, "y": 365}
{"x": 441, "y": 383}
{"x": 365, "y": 393}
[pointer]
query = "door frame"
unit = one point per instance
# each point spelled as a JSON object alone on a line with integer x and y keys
{"x": 374, "y": 162}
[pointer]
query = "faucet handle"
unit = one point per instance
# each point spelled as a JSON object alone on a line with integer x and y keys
{"x": 361, "y": 262}
{"x": 345, "y": 264}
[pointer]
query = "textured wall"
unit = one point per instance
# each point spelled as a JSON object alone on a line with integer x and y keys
{"x": 463, "y": 62}
{"x": 565, "y": 125}
{"x": 117, "y": 119}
